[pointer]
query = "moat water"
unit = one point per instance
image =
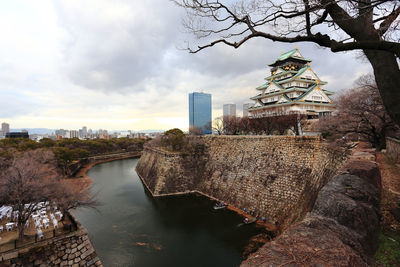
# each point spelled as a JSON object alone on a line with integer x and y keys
{"x": 131, "y": 228}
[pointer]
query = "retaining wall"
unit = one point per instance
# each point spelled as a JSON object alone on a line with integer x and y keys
{"x": 275, "y": 176}
{"x": 71, "y": 249}
{"x": 342, "y": 227}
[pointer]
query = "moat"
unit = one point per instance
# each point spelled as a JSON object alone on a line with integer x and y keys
{"x": 133, "y": 229}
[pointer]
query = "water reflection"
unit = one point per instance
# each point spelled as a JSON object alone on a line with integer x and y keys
{"x": 133, "y": 229}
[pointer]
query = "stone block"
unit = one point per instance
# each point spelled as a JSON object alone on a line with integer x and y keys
{"x": 10, "y": 255}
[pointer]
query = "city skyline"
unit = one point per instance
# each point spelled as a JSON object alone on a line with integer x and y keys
{"x": 59, "y": 77}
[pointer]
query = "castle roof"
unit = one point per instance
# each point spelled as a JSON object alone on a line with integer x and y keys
{"x": 292, "y": 54}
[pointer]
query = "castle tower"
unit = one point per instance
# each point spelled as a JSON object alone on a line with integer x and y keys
{"x": 292, "y": 87}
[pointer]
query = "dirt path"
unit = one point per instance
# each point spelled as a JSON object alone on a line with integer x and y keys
{"x": 390, "y": 174}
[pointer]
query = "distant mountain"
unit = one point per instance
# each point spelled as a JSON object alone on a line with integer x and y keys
{"x": 35, "y": 130}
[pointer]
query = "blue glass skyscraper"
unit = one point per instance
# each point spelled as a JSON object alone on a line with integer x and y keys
{"x": 200, "y": 111}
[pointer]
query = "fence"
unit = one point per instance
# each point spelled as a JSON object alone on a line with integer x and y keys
{"x": 30, "y": 240}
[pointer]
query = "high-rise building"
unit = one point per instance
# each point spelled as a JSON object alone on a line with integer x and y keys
{"x": 84, "y": 129}
{"x": 73, "y": 134}
{"x": 200, "y": 112}
{"x": 5, "y": 128}
{"x": 229, "y": 110}
{"x": 246, "y": 107}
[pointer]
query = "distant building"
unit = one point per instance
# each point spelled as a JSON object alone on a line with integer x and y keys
{"x": 246, "y": 107}
{"x": 17, "y": 135}
{"x": 229, "y": 110}
{"x": 292, "y": 87}
{"x": 84, "y": 131}
{"x": 200, "y": 111}
{"x": 73, "y": 134}
{"x": 61, "y": 132}
{"x": 5, "y": 128}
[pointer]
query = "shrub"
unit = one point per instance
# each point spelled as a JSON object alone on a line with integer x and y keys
{"x": 174, "y": 138}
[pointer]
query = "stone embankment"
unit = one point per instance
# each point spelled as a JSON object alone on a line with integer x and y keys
{"x": 277, "y": 177}
{"x": 342, "y": 227}
{"x": 72, "y": 249}
{"x": 90, "y": 161}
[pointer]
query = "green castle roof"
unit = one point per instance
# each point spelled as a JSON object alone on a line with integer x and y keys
{"x": 288, "y": 55}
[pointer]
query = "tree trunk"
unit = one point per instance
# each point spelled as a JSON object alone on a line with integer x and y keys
{"x": 387, "y": 77}
{"x": 21, "y": 231}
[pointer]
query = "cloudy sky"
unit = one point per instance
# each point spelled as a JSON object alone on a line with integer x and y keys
{"x": 117, "y": 64}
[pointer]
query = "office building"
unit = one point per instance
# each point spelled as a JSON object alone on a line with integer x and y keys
{"x": 246, "y": 107}
{"x": 229, "y": 110}
{"x": 200, "y": 112}
{"x": 73, "y": 134}
{"x": 5, "y": 128}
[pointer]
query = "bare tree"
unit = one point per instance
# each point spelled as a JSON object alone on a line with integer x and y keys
{"x": 341, "y": 25}
{"x": 360, "y": 111}
{"x": 218, "y": 125}
{"x": 31, "y": 179}
{"x": 193, "y": 130}
{"x": 232, "y": 125}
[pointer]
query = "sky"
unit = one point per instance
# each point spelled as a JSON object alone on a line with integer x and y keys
{"x": 119, "y": 65}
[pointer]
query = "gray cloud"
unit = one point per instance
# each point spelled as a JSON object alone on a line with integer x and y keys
{"x": 119, "y": 60}
{"x": 116, "y": 49}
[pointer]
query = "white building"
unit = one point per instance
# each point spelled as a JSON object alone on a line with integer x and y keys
{"x": 5, "y": 128}
{"x": 73, "y": 134}
{"x": 229, "y": 110}
{"x": 246, "y": 107}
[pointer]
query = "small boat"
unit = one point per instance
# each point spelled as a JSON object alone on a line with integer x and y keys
{"x": 249, "y": 221}
{"x": 221, "y": 205}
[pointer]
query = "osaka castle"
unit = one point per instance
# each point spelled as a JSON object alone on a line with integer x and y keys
{"x": 292, "y": 87}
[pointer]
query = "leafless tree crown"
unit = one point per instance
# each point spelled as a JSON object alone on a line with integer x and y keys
{"x": 341, "y": 25}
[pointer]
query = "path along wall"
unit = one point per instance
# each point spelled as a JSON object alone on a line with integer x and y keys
{"x": 275, "y": 176}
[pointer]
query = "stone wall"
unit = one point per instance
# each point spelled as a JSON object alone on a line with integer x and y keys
{"x": 72, "y": 249}
{"x": 393, "y": 148}
{"x": 342, "y": 227}
{"x": 275, "y": 176}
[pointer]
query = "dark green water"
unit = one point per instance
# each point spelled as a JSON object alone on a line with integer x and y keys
{"x": 133, "y": 229}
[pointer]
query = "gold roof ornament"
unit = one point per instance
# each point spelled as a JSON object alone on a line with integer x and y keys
{"x": 317, "y": 81}
{"x": 297, "y": 48}
{"x": 308, "y": 64}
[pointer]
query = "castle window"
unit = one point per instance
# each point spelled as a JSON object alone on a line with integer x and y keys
{"x": 315, "y": 97}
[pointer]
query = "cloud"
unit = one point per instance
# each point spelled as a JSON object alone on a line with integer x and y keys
{"x": 116, "y": 65}
{"x": 116, "y": 45}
